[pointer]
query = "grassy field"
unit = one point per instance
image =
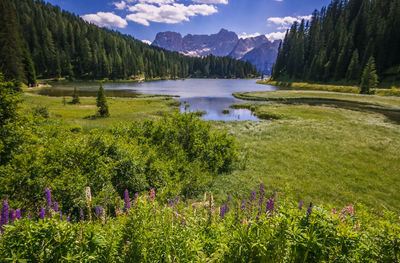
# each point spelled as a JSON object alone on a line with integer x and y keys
{"x": 121, "y": 109}
{"x": 393, "y": 91}
{"x": 322, "y": 154}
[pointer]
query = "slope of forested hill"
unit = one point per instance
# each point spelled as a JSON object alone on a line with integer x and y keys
{"x": 340, "y": 39}
{"x": 60, "y": 44}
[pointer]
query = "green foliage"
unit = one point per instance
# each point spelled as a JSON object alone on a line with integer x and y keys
{"x": 9, "y": 101}
{"x": 11, "y": 129}
{"x": 10, "y": 43}
{"x": 354, "y": 70}
{"x": 41, "y": 111}
{"x": 151, "y": 231}
{"x": 75, "y": 97}
{"x": 52, "y": 240}
{"x": 101, "y": 103}
{"x": 369, "y": 79}
{"x": 177, "y": 155}
{"x": 340, "y": 38}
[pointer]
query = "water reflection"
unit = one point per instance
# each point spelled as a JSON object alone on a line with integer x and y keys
{"x": 209, "y": 95}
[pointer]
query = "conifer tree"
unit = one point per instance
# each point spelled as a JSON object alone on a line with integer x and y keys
{"x": 102, "y": 102}
{"x": 369, "y": 78}
{"x": 10, "y": 43}
{"x": 354, "y": 71}
{"x": 75, "y": 97}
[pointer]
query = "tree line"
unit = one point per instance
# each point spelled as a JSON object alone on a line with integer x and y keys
{"x": 39, "y": 39}
{"x": 340, "y": 40}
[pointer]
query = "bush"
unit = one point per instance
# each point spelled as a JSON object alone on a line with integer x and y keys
{"x": 41, "y": 111}
{"x": 175, "y": 155}
{"x": 262, "y": 228}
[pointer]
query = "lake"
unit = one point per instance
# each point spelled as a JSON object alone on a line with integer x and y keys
{"x": 209, "y": 95}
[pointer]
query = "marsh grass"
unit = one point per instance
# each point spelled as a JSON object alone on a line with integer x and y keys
{"x": 392, "y": 91}
{"x": 321, "y": 153}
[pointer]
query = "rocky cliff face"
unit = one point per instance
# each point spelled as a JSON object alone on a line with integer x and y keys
{"x": 258, "y": 50}
{"x": 263, "y": 57}
{"x": 245, "y": 45}
{"x": 169, "y": 40}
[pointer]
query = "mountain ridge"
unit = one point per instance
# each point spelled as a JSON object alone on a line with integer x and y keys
{"x": 258, "y": 50}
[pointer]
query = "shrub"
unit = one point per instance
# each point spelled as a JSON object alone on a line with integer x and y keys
{"x": 175, "y": 155}
{"x": 261, "y": 228}
{"x": 41, "y": 111}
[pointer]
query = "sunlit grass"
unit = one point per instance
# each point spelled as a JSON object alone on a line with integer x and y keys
{"x": 321, "y": 154}
{"x": 121, "y": 109}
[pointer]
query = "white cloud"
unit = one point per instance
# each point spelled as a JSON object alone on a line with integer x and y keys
{"x": 148, "y": 42}
{"x": 287, "y": 21}
{"x": 120, "y": 5}
{"x": 275, "y": 36}
{"x": 106, "y": 19}
{"x": 244, "y": 35}
{"x": 158, "y": 2}
{"x": 170, "y": 14}
{"x": 224, "y": 2}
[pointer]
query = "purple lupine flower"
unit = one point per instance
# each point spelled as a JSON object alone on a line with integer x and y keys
{"x": 48, "y": 197}
{"x": 18, "y": 214}
{"x": 42, "y": 213}
{"x": 13, "y": 215}
{"x": 183, "y": 221}
{"x": 61, "y": 216}
{"x": 82, "y": 216}
{"x": 127, "y": 205}
{"x": 55, "y": 207}
{"x": 262, "y": 194}
{"x": 97, "y": 210}
{"x": 261, "y": 189}
{"x": 101, "y": 210}
{"x": 226, "y": 208}
{"x": 243, "y": 204}
{"x": 222, "y": 212}
{"x": 253, "y": 196}
{"x": 309, "y": 209}
{"x": 176, "y": 200}
{"x": 270, "y": 206}
{"x": 68, "y": 219}
{"x": 30, "y": 217}
{"x": 136, "y": 195}
{"x": 170, "y": 203}
{"x": 301, "y": 205}
{"x": 4, "y": 214}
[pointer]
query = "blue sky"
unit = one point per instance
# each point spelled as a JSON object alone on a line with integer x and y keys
{"x": 143, "y": 19}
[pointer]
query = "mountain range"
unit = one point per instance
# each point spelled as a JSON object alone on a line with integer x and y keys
{"x": 258, "y": 50}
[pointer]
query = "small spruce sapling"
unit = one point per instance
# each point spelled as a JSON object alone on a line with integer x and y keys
{"x": 369, "y": 79}
{"x": 75, "y": 97}
{"x": 101, "y": 102}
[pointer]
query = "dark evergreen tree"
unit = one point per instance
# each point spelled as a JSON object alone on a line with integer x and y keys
{"x": 339, "y": 39}
{"x": 61, "y": 44}
{"x": 101, "y": 102}
{"x": 354, "y": 70}
{"x": 369, "y": 79}
{"x": 75, "y": 97}
{"x": 10, "y": 43}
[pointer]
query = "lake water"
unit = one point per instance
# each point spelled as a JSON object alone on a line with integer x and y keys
{"x": 209, "y": 95}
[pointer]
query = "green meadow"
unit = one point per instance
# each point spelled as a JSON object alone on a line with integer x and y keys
{"x": 121, "y": 109}
{"x": 324, "y": 153}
